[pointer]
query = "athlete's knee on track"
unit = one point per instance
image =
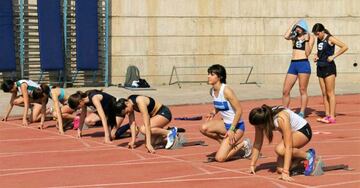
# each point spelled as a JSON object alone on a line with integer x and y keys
{"x": 35, "y": 118}
{"x": 142, "y": 130}
{"x": 280, "y": 150}
{"x": 18, "y": 102}
{"x": 54, "y": 114}
{"x": 220, "y": 157}
{"x": 204, "y": 128}
{"x": 89, "y": 121}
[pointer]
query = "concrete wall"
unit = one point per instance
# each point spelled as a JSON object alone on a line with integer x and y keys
{"x": 155, "y": 35}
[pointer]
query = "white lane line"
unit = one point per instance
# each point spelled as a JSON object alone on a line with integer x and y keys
{"x": 156, "y": 182}
{"x": 27, "y": 172}
{"x": 336, "y": 184}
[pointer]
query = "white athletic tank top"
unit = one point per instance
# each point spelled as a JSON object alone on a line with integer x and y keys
{"x": 296, "y": 122}
{"x": 31, "y": 86}
{"x": 223, "y": 106}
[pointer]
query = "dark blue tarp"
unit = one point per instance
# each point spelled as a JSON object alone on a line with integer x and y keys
{"x": 50, "y": 34}
{"x": 7, "y": 46}
{"x": 86, "y": 34}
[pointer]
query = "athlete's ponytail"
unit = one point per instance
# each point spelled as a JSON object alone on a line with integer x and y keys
{"x": 263, "y": 117}
{"x": 119, "y": 107}
{"x": 74, "y": 99}
{"x": 327, "y": 31}
{"x": 7, "y": 85}
{"x": 38, "y": 93}
{"x": 318, "y": 27}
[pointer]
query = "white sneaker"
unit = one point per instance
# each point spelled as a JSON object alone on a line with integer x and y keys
{"x": 171, "y": 137}
{"x": 247, "y": 148}
{"x": 85, "y": 127}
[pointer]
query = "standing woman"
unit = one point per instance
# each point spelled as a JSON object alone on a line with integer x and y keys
{"x": 230, "y": 130}
{"x": 296, "y": 133}
{"x": 326, "y": 68}
{"x": 155, "y": 117}
{"x": 302, "y": 44}
{"x": 104, "y": 106}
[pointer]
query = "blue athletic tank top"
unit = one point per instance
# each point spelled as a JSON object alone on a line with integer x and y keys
{"x": 324, "y": 51}
{"x": 223, "y": 106}
{"x": 61, "y": 97}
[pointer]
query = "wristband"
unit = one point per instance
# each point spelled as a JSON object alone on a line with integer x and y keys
{"x": 232, "y": 128}
{"x": 285, "y": 172}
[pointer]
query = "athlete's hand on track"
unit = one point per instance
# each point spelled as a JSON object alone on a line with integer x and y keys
{"x": 79, "y": 133}
{"x": 107, "y": 140}
{"x": 131, "y": 145}
{"x": 252, "y": 169}
{"x": 150, "y": 149}
{"x": 25, "y": 123}
{"x": 285, "y": 177}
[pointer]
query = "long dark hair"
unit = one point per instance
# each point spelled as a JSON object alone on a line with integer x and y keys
{"x": 38, "y": 93}
{"x": 264, "y": 116}
{"x": 74, "y": 99}
{"x": 219, "y": 70}
{"x": 7, "y": 85}
{"x": 318, "y": 27}
{"x": 120, "y": 106}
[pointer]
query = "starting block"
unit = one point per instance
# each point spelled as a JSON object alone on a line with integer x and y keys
{"x": 320, "y": 169}
{"x": 181, "y": 142}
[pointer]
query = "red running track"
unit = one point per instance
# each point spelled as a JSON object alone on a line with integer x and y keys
{"x": 30, "y": 157}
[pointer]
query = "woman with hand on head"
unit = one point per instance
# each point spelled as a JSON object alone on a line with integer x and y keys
{"x": 229, "y": 131}
{"x": 296, "y": 133}
{"x": 302, "y": 44}
{"x": 326, "y": 68}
